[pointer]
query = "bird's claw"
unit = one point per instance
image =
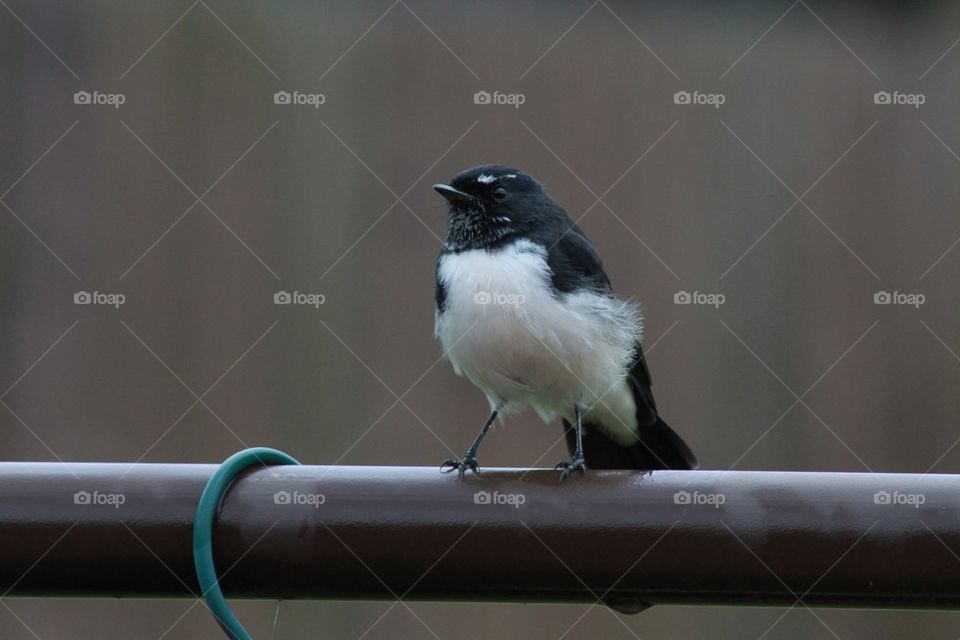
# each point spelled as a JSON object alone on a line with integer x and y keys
{"x": 567, "y": 467}
{"x": 460, "y": 466}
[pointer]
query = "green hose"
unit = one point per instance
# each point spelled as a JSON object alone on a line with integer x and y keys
{"x": 203, "y": 531}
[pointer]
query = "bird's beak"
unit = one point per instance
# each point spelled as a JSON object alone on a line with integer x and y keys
{"x": 454, "y": 196}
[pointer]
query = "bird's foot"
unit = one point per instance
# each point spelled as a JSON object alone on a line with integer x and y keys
{"x": 460, "y": 466}
{"x": 567, "y": 467}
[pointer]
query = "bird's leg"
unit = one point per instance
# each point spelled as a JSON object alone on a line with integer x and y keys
{"x": 576, "y": 463}
{"x": 469, "y": 460}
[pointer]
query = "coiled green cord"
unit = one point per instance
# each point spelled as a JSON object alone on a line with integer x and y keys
{"x": 203, "y": 531}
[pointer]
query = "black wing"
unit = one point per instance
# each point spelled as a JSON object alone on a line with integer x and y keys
{"x": 574, "y": 264}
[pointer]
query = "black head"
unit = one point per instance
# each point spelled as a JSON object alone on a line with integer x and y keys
{"x": 490, "y": 204}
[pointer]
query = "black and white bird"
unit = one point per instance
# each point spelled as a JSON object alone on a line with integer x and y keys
{"x": 525, "y": 311}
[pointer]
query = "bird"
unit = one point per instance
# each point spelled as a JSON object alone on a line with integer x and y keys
{"x": 526, "y": 312}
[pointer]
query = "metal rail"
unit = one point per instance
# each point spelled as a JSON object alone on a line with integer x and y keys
{"x": 628, "y": 539}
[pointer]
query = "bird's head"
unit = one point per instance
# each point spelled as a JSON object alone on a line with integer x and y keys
{"x": 490, "y": 203}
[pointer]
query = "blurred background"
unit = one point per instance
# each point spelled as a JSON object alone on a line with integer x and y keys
{"x": 181, "y": 164}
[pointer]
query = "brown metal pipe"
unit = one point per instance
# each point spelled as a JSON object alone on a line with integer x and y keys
{"x": 688, "y": 537}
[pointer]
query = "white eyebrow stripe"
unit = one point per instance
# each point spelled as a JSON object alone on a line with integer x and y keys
{"x": 486, "y": 178}
{"x": 510, "y": 176}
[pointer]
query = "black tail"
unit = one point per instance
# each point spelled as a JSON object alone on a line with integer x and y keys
{"x": 659, "y": 446}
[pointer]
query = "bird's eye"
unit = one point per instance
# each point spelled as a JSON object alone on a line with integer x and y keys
{"x": 499, "y": 193}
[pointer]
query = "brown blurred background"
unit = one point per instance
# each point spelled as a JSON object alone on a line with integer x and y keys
{"x": 298, "y": 198}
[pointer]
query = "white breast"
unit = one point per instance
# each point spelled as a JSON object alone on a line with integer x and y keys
{"x": 523, "y": 344}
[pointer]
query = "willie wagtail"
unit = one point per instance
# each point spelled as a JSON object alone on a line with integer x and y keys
{"x": 525, "y": 311}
